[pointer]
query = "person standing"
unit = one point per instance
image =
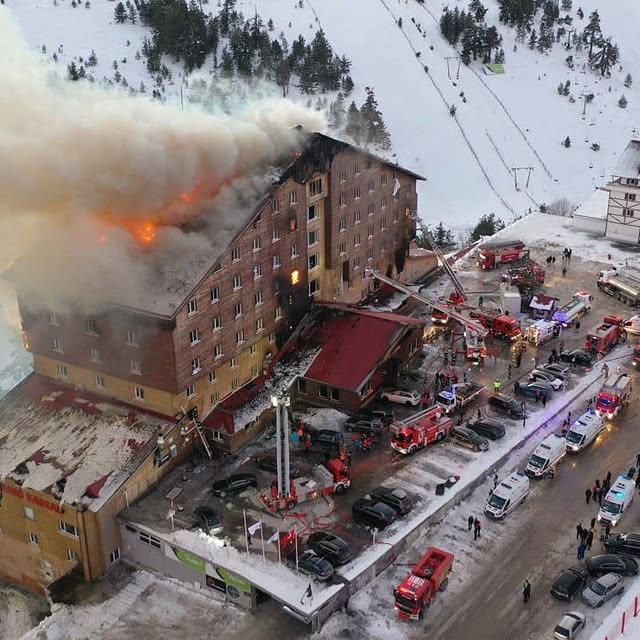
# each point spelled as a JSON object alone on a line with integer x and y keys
{"x": 544, "y": 398}
{"x": 581, "y": 549}
{"x": 587, "y": 495}
{"x": 578, "y": 531}
{"x": 589, "y": 539}
{"x": 594, "y": 492}
{"x": 608, "y": 479}
{"x": 526, "y": 591}
{"x": 469, "y": 523}
{"x": 593, "y": 523}
{"x": 495, "y": 481}
{"x": 607, "y": 531}
{"x": 564, "y": 271}
{"x": 476, "y": 529}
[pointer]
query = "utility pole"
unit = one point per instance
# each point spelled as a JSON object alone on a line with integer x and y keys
{"x": 515, "y": 175}
{"x": 447, "y": 58}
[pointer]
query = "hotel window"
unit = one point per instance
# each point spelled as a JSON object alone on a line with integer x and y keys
{"x": 314, "y": 261}
{"x": 396, "y": 216}
{"x": 217, "y": 323}
{"x": 253, "y": 349}
{"x": 56, "y": 345}
{"x": 342, "y": 200}
{"x": 383, "y": 203}
{"x": 214, "y": 294}
{"x": 335, "y": 395}
{"x": 628, "y": 213}
{"x": 342, "y": 248}
{"x": 343, "y": 175}
{"x": 256, "y": 221}
{"x": 275, "y": 206}
{"x": 293, "y": 197}
{"x": 254, "y": 370}
{"x": 233, "y": 363}
{"x": 275, "y": 234}
{"x": 139, "y": 393}
{"x": 356, "y": 240}
{"x": 369, "y": 254}
{"x": 313, "y": 238}
{"x": 192, "y": 306}
{"x": 370, "y": 231}
{"x": 384, "y": 178}
{"x": 257, "y": 271}
{"x": 272, "y": 337}
{"x": 237, "y": 309}
{"x": 357, "y": 193}
{"x": 630, "y": 196}
{"x": 213, "y": 376}
{"x": 257, "y": 298}
{"x": 92, "y": 327}
{"x": 94, "y": 355}
{"x": 191, "y": 390}
{"x": 132, "y": 339}
{"x": 383, "y": 246}
{"x": 235, "y": 254}
{"x": 311, "y": 213}
{"x": 134, "y": 367}
{"x": 356, "y": 217}
{"x": 372, "y": 185}
{"x": 235, "y": 383}
{"x": 53, "y": 318}
{"x": 32, "y": 537}
{"x": 293, "y": 222}
{"x": 294, "y": 251}
{"x": 276, "y": 261}
{"x": 195, "y": 365}
{"x": 314, "y": 286}
{"x": 257, "y": 244}
{"x": 237, "y": 282}
{"x": 217, "y": 351}
{"x": 259, "y": 326}
{"x": 114, "y": 556}
{"x": 72, "y": 555}
{"x": 315, "y": 187}
{"x": 62, "y": 371}
{"x": 356, "y": 262}
{"x": 383, "y": 223}
{"x": 278, "y": 313}
{"x": 323, "y": 391}
{"x": 302, "y": 385}
{"x": 357, "y": 168}
{"x": 28, "y": 513}
{"x": 194, "y": 337}
{"x": 240, "y": 336}
{"x": 343, "y": 224}
{"x": 100, "y": 382}
{"x": 68, "y": 528}
{"x": 372, "y": 209}
{"x": 214, "y": 397}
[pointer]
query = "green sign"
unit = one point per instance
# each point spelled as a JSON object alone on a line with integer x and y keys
{"x": 233, "y": 579}
{"x": 191, "y": 560}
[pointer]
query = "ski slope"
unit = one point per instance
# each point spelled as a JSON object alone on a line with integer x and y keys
{"x": 517, "y": 119}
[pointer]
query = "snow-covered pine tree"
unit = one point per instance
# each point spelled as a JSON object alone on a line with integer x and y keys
{"x": 628, "y": 81}
{"x": 566, "y": 5}
{"x": 622, "y": 103}
{"x": 72, "y": 72}
{"x": 533, "y": 39}
{"x": 354, "y": 128}
{"x": 120, "y": 13}
{"x": 592, "y": 32}
{"x": 605, "y": 57}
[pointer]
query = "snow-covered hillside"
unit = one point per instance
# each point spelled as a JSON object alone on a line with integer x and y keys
{"x": 517, "y": 119}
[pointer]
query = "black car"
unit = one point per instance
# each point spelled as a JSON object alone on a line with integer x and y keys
{"x": 488, "y": 428}
{"x": 312, "y": 564}
{"x": 507, "y": 405}
{"x": 467, "y": 438}
{"x": 397, "y": 499}
{"x": 626, "y": 543}
{"x": 364, "y": 417}
{"x": 372, "y": 514}
{"x": 234, "y": 484}
{"x": 268, "y": 462}
{"x": 370, "y": 427}
{"x": 611, "y": 563}
{"x": 568, "y": 583}
{"x": 578, "y": 358}
{"x": 331, "y": 547}
{"x": 534, "y": 389}
{"x": 326, "y": 439}
{"x": 207, "y": 519}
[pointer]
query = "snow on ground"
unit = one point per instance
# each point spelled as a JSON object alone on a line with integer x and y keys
{"x": 320, "y": 418}
{"x": 20, "y": 611}
{"x": 612, "y": 624}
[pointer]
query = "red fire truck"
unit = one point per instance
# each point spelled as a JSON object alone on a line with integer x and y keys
{"x": 419, "y": 588}
{"x": 420, "y": 429}
{"x": 606, "y": 335}
{"x": 494, "y": 254}
{"x": 614, "y": 395}
{"x": 500, "y": 326}
{"x": 528, "y": 276}
{"x": 331, "y": 478}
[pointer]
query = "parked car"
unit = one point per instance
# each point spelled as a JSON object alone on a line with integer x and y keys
{"x": 364, "y": 417}
{"x": 603, "y": 589}
{"x": 534, "y": 389}
{"x": 488, "y": 428}
{"x": 386, "y": 417}
{"x": 369, "y": 427}
{"x": 370, "y": 513}
{"x": 507, "y": 405}
{"x": 542, "y": 375}
{"x": 467, "y": 438}
{"x": 558, "y": 370}
{"x": 207, "y": 519}
{"x": 268, "y": 462}
{"x": 568, "y": 583}
{"x": 402, "y": 396}
{"x": 312, "y": 564}
{"x": 234, "y": 484}
{"x": 611, "y": 563}
{"x": 326, "y": 439}
{"x": 570, "y": 626}
{"x": 626, "y": 543}
{"x": 331, "y": 547}
{"x": 397, "y": 499}
{"x": 578, "y": 358}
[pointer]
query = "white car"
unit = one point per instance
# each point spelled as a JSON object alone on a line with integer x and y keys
{"x": 570, "y": 626}
{"x": 540, "y": 375}
{"x": 632, "y": 325}
{"x": 402, "y": 396}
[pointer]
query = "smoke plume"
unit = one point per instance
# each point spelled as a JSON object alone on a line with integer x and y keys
{"x": 82, "y": 163}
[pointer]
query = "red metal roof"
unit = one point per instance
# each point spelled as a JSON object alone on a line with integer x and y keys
{"x": 353, "y": 344}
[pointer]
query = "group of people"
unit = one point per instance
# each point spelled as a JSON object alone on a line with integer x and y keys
{"x": 586, "y": 538}
{"x": 474, "y": 523}
{"x": 599, "y": 491}
{"x": 554, "y": 357}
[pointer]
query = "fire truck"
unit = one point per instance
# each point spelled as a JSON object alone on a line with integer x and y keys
{"x": 526, "y": 277}
{"x": 418, "y": 590}
{"x": 332, "y": 477}
{"x": 419, "y": 430}
{"x": 606, "y": 335}
{"x": 500, "y": 326}
{"x": 578, "y": 306}
{"x": 494, "y": 254}
{"x": 614, "y": 396}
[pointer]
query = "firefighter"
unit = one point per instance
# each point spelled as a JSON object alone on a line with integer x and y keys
{"x": 425, "y": 397}
{"x": 497, "y": 385}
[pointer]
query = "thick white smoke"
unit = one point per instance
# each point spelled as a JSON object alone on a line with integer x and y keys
{"x": 74, "y": 155}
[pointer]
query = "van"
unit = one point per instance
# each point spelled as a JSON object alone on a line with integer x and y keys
{"x": 546, "y": 455}
{"x": 584, "y": 431}
{"x": 618, "y": 498}
{"x": 542, "y": 331}
{"x": 509, "y": 493}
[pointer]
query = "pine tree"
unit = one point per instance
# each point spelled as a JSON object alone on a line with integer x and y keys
{"x": 605, "y": 57}
{"x": 72, "y": 72}
{"x": 622, "y": 103}
{"x": 374, "y": 129}
{"x": 92, "y": 61}
{"x": 354, "y": 128}
{"x": 566, "y": 5}
{"x": 533, "y": 39}
{"x": 133, "y": 16}
{"x": 347, "y": 85}
{"x": 337, "y": 113}
{"x": 628, "y": 81}
{"x": 478, "y": 10}
{"x": 120, "y": 13}
{"x": 567, "y": 142}
{"x": 487, "y": 226}
{"x": 227, "y": 67}
{"x": 592, "y": 32}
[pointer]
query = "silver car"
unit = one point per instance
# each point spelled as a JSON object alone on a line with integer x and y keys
{"x": 570, "y": 626}
{"x": 603, "y": 589}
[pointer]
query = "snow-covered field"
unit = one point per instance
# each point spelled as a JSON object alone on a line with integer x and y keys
{"x": 517, "y": 119}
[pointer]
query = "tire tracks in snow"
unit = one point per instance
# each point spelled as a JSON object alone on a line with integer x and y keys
{"x": 506, "y": 204}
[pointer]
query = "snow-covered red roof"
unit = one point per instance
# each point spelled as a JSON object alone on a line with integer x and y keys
{"x": 628, "y": 165}
{"x": 71, "y": 443}
{"x": 542, "y": 302}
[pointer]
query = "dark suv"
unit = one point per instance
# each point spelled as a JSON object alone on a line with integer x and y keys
{"x": 568, "y": 583}
{"x": 488, "y": 428}
{"x": 397, "y": 499}
{"x": 331, "y": 547}
{"x": 507, "y": 405}
{"x": 611, "y": 563}
{"x": 375, "y": 515}
{"x": 234, "y": 484}
{"x": 326, "y": 439}
{"x": 626, "y": 543}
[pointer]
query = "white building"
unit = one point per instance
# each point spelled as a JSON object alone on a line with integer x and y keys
{"x": 591, "y": 215}
{"x": 623, "y": 210}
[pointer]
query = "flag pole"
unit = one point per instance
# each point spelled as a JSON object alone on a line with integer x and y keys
{"x": 295, "y": 529}
{"x": 246, "y": 536}
{"x": 262, "y": 542}
{"x": 279, "y": 549}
